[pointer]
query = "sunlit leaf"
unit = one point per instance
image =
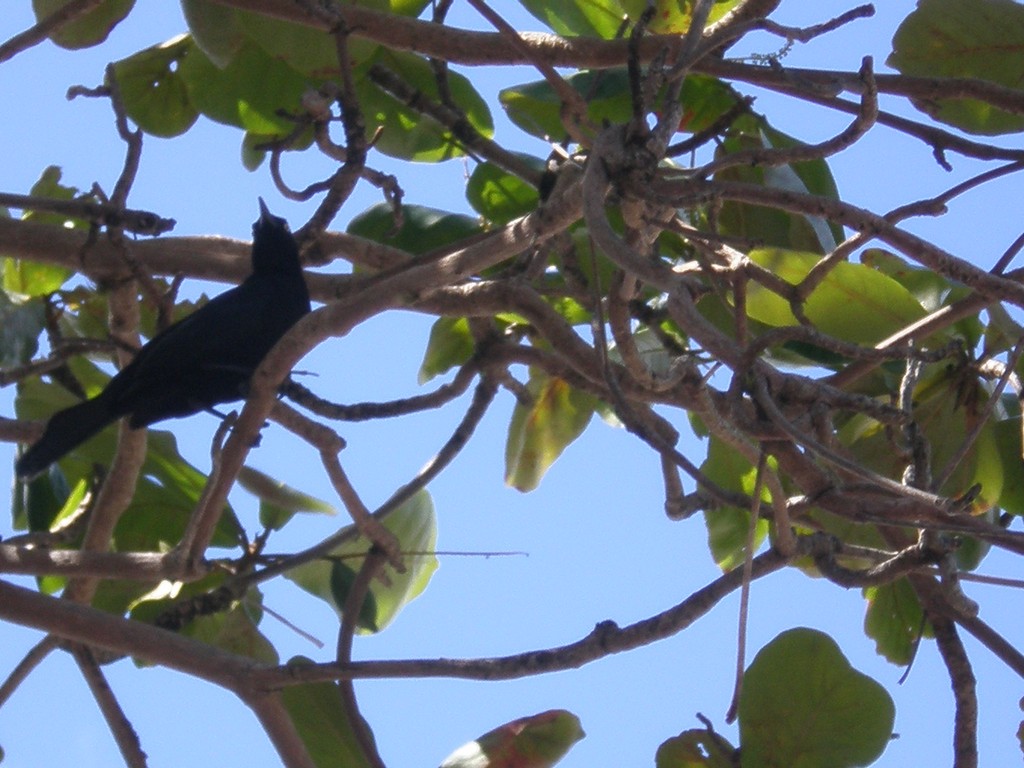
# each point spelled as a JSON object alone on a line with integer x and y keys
{"x": 1008, "y": 443}
{"x": 853, "y": 302}
{"x": 33, "y": 278}
{"x": 423, "y": 229}
{"x": 927, "y": 286}
{"x": 154, "y": 92}
{"x": 232, "y": 630}
{"x": 947, "y": 405}
{"x": 804, "y": 705}
{"x": 415, "y": 525}
{"x": 279, "y": 502}
{"x": 500, "y": 196}
{"x": 894, "y": 620}
{"x": 674, "y": 16}
{"x": 594, "y": 18}
{"x": 450, "y": 345}
{"x": 537, "y": 109}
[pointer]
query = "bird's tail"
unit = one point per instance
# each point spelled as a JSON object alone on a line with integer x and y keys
{"x": 65, "y": 431}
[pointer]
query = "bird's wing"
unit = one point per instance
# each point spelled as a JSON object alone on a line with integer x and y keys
{"x": 226, "y": 333}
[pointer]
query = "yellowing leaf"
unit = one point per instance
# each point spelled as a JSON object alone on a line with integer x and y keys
{"x": 540, "y": 431}
{"x": 538, "y": 741}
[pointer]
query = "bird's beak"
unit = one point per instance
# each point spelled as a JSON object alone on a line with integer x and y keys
{"x": 265, "y": 214}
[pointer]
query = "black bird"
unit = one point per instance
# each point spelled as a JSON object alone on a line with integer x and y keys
{"x": 205, "y": 359}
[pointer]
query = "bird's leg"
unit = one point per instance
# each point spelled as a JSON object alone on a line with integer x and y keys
{"x": 230, "y": 417}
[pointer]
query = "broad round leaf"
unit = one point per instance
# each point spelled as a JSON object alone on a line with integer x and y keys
{"x": 500, "y": 196}
{"x": 154, "y": 93}
{"x": 956, "y": 38}
{"x": 90, "y": 28}
{"x": 804, "y": 706}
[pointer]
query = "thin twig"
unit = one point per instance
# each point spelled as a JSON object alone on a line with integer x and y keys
{"x": 354, "y": 601}
{"x": 748, "y": 559}
{"x": 46, "y": 27}
{"x": 124, "y": 734}
{"x": 26, "y": 666}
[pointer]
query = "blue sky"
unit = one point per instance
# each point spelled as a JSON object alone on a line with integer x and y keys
{"x": 598, "y": 544}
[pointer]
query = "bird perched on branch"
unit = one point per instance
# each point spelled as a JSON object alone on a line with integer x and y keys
{"x": 205, "y": 359}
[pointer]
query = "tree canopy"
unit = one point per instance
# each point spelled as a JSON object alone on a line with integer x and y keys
{"x": 814, "y": 381}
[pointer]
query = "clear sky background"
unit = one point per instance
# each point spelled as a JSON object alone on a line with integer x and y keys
{"x": 598, "y": 545}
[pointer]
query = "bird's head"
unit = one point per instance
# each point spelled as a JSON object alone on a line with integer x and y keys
{"x": 273, "y": 247}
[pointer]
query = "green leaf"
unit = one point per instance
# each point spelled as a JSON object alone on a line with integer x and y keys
{"x": 927, "y": 286}
{"x": 673, "y": 17}
{"x": 154, "y": 92}
{"x": 770, "y": 225}
{"x": 540, "y": 431}
{"x": 279, "y": 502}
{"x": 415, "y": 525}
{"x": 894, "y": 620}
{"x": 44, "y": 501}
{"x": 406, "y": 133}
{"x": 537, "y": 109}
{"x": 342, "y": 578}
{"x": 450, "y": 345}
{"x": 49, "y": 185}
{"x": 20, "y": 326}
{"x": 249, "y": 93}
{"x": 704, "y": 100}
{"x": 234, "y": 631}
{"x": 538, "y": 741}
{"x": 423, "y": 229}
{"x": 168, "y": 487}
{"x": 571, "y": 18}
{"x": 853, "y": 302}
{"x": 947, "y": 404}
{"x": 305, "y": 49}
{"x": 696, "y": 749}
{"x": 651, "y": 351}
{"x": 313, "y": 51}
{"x": 214, "y": 30}
{"x": 728, "y": 527}
{"x": 317, "y": 711}
{"x": 803, "y": 705}
{"x": 1008, "y": 443}
{"x": 500, "y": 196}
{"x": 31, "y": 278}
{"x": 91, "y": 28}
{"x": 964, "y": 38}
